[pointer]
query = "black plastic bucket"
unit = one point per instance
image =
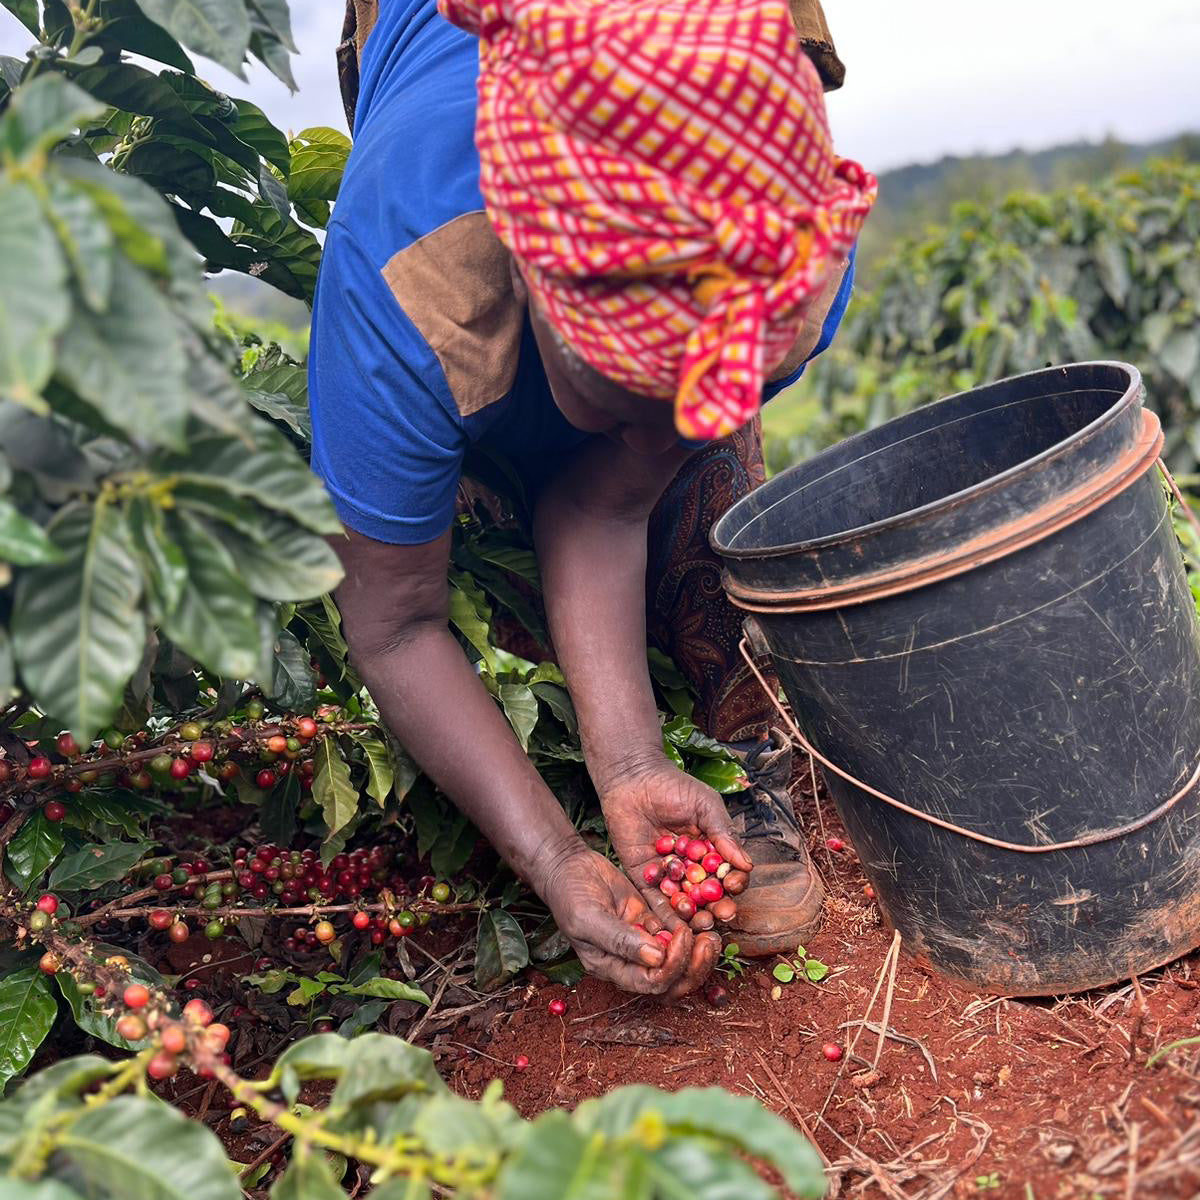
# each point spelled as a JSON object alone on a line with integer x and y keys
{"x": 979, "y": 613}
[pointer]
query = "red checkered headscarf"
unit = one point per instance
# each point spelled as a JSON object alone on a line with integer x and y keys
{"x": 664, "y": 174}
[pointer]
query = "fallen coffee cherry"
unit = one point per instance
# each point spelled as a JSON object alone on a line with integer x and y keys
{"x": 695, "y": 873}
{"x": 696, "y": 850}
{"x": 521, "y": 1062}
{"x": 669, "y": 888}
{"x": 665, "y": 844}
{"x": 703, "y": 921}
{"x": 557, "y": 1007}
{"x": 684, "y": 908}
{"x": 676, "y": 869}
{"x": 723, "y": 909}
{"x": 711, "y": 862}
{"x": 710, "y": 890}
{"x": 653, "y": 874}
{"x": 835, "y": 844}
{"x": 868, "y": 891}
{"x": 717, "y": 995}
{"x": 832, "y": 1051}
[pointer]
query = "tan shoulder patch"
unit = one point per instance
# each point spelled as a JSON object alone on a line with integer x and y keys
{"x": 455, "y": 285}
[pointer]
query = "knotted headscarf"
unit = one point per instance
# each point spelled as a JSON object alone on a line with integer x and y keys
{"x": 663, "y": 172}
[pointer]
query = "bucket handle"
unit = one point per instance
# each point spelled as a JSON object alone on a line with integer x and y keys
{"x": 754, "y": 639}
{"x": 754, "y": 634}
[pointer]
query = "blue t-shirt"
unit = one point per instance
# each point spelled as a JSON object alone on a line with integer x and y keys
{"x": 419, "y": 347}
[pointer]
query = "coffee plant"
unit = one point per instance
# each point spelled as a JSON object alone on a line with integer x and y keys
{"x": 1100, "y": 271}
{"x": 187, "y": 758}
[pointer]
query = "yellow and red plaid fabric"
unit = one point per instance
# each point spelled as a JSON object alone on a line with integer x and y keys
{"x": 664, "y": 174}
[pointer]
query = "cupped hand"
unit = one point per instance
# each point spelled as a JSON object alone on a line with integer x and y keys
{"x": 640, "y": 809}
{"x": 599, "y": 911}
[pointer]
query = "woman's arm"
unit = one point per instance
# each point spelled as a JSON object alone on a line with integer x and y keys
{"x": 394, "y": 602}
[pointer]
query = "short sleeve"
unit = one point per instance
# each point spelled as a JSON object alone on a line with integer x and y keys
{"x": 387, "y": 440}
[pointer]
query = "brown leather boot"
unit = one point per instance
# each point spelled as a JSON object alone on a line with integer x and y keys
{"x": 782, "y": 905}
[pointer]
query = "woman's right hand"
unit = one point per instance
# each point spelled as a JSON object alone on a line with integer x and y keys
{"x": 598, "y": 909}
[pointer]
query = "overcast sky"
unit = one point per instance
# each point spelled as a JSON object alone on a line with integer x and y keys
{"x": 925, "y": 77}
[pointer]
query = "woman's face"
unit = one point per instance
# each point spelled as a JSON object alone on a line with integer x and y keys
{"x": 593, "y": 403}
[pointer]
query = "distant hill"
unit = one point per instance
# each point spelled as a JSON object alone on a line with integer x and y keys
{"x": 922, "y": 194}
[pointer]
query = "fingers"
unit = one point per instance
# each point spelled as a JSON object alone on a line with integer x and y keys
{"x": 633, "y": 977}
{"x": 705, "y": 948}
{"x": 714, "y": 819}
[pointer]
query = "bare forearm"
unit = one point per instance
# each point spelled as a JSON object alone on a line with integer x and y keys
{"x": 591, "y": 540}
{"x": 432, "y": 700}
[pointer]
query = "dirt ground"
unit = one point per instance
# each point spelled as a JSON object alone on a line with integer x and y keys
{"x": 967, "y": 1095}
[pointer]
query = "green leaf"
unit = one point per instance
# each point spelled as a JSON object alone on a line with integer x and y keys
{"x": 34, "y": 301}
{"x": 286, "y": 561}
{"x": 86, "y": 239}
{"x": 784, "y": 972}
{"x": 568, "y": 972}
{"x": 164, "y": 567}
{"x": 218, "y": 29}
{"x": 308, "y": 1178}
{"x": 96, "y": 864}
{"x": 380, "y": 775}
{"x": 34, "y": 847}
{"x": 465, "y": 616}
{"x": 554, "y": 1162}
{"x": 724, "y": 777}
{"x": 453, "y": 847}
{"x": 43, "y": 1189}
{"x": 140, "y": 1147}
{"x": 702, "y": 1171}
{"x": 26, "y": 11}
{"x": 267, "y": 470}
{"x": 23, "y": 543}
{"x": 372, "y": 1067}
{"x": 253, "y": 127}
{"x": 716, "y": 1114}
{"x": 815, "y": 969}
{"x": 7, "y": 674}
{"x": 521, "y": 708}
{"x": 215, "y": 619}
{"x": 275, "y": 16}
{"x": 77, "y": 629}
{"x": 27, "y": 1010}
{"x": 90, "y": 1017}
{"x": 500, "y": 950}
{"x": 293, "y": 685}
{"x": 332, "y": 788}
{"x": 42, "y": 112}
{"x": 1181, "y": 354}
{"x": 277, "y": 814}
{"x": 384, "y": 989}
{"x": 558, "y": 700}
{"x": 318, "y": 163}
{"x": 128, "y": 362}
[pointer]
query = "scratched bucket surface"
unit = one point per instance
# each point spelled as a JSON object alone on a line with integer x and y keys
{"x": 980, "y": 610}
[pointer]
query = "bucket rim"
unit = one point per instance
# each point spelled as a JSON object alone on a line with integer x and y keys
{"x": 1130, "y": 397}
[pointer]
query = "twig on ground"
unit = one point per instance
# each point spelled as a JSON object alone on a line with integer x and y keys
{"x": 790, "y": 1103}
{"x": 902, "y": 1038}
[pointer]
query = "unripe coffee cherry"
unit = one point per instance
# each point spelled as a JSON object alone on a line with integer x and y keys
{"x": 325, "y": 932}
